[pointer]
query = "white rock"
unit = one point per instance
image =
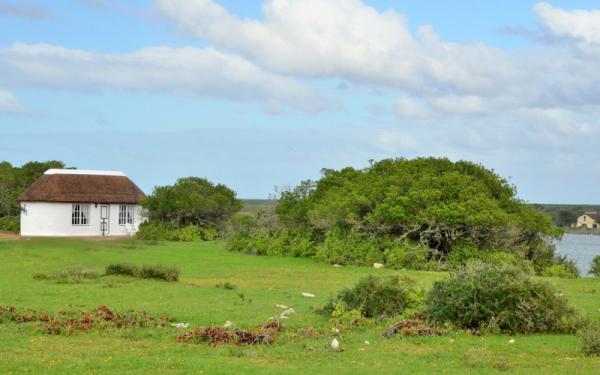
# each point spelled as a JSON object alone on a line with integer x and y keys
{"x": 282, "y": 306}
{"x": 367, "y": 343}
{"x": 335, "y": 344}
{"x": 228, "y": 324}
{"x": 378, "y": 265}
{"x": 335, "y": 330}
{"x": 308, "y": 295}
{"x": 511, "y": 341}
{"x": 180, "y": 325}
{"x": 337, "y": 265}
{"x": 285, "y": 314}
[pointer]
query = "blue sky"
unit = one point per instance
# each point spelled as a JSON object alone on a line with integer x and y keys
{"x": 258, "y": 94}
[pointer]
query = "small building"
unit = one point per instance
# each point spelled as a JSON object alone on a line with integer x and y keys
{"x": 589, "y": 220}
{"x": 70, "y": 203}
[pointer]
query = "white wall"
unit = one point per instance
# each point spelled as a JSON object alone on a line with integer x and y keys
{"x": 54, "y": 219}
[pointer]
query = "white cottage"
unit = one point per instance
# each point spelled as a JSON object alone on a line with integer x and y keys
{"x": 69, "y": 202}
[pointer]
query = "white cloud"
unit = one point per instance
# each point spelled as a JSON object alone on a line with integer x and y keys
{"x": 581, "y": 25}
{"x": 394, "y": 142}
{"x": 344, "y": 38}
{"x": 466, "y": 105}
{"x": 348, "y": 39}
{"x": 408, "y": 107}
{"x": 180, "y": 71}
{"x": 9, "y": 103}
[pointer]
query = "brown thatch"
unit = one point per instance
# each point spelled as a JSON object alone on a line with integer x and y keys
{"x": 82, "y": 188}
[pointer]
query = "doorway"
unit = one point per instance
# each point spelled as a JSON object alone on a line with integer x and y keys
{"x": 104, "y": 220}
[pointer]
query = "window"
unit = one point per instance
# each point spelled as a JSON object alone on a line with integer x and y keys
{"x": 80, "y": 214}
{"x": 126, "y": 214}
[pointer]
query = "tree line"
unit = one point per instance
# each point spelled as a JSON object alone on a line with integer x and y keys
{"x": 424, "y": 213}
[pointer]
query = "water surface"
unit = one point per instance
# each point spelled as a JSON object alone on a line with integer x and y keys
{"x": 582, "y": 248}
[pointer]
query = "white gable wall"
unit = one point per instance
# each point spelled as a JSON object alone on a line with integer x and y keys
{"x": 54, "y": 220}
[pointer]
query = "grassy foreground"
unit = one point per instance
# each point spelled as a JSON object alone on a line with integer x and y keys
{"x": 262, "y": 282}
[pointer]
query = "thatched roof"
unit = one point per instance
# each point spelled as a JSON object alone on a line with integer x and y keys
{"x": 73, "y": 186}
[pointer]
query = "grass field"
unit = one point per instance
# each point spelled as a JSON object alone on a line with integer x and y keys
{"x": 264, "y": 282}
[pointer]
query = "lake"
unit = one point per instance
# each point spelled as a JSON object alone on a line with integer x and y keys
{"x": 582, "y": 248}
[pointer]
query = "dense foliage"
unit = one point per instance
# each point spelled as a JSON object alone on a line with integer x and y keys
{"x": 157, "y": 231}
{"x": 14, "y": 181}
{"x": 590, "y": 339}
{"x": 411, "y": 213}
{"x": 158, "y": 272}
{"x": 191, "y": 209}
{"x": 595, "y": 269}
{"x": 500, "y": 298}
{"x": 373, "y": 297}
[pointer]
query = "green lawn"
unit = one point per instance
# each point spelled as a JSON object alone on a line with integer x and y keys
{"x": 264, "y": 282}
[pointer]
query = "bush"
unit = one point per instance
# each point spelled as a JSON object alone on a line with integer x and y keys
{"x": 595, "y": 269}
{"x": 373, "y": 297}
{"x": 562, "y": 270}
{"x": 590, "y": 339}
{"x": 10, "y": 224}
{"x": 159, "y": 272}
{"x": 344, "y": 247}
{"x": 122, "y": 269}
{"x": 265, "y": 241}
{"x": 412, "y": 256}
{"x": 145, "y": 272}
{"x": 156, "y": 231}
{"x": 70, "y": 276}
{"x": 500, "y": 297}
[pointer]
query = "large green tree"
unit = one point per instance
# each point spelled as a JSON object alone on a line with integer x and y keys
{"x": 359, "y": 215}
{"x": 15, "y": 180}
{"x": 192, "y": 200}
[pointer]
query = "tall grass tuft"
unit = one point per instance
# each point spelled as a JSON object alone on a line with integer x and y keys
{"x": 157, "y": 272}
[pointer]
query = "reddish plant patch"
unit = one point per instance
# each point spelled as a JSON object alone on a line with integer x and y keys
{"x": 412, "y": 328}
{"x": 69, "y": 322}
{"x": 261, "y": 334}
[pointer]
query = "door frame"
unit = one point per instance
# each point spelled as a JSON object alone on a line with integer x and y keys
{"x": 105, "y": 220}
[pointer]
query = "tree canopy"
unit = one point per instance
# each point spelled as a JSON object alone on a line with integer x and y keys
{"x": 434, "y": 201}
{"x": 192, "y": 201}
{"x": 15, "y": 180}
{"x": 364, "y": 215}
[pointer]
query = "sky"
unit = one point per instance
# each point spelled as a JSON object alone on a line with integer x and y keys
{"x": 261, "y": 94}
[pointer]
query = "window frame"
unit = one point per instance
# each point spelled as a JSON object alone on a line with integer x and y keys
{"x": 126, "y": 214}
{"x": 80, "y": 215}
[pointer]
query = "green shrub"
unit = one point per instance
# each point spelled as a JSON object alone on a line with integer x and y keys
{"x": 122, "y": 269}
{"x": 373, "y": 297}
{"x": 343, "y": 247}
{"x": 562, "y": 270}
{"x": 595, "y": 269}
{"x": 465, "y": 253}
{"x": 209, "y": 234}
{"x": 412, "y": 256}
{"x": 226, "y": 285}
{"x": 590, "y": 339}
{"x": 500, "y": 297}
{"x": 264, "y": 241}
{"x": 189, "y": 233}
{"x": 156, "y": 231}
{"x": 69, "y": 276}
{"x": 10, "y": 224}
{"x": 145, "y": 272}
{"x": 159, "y": 272}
